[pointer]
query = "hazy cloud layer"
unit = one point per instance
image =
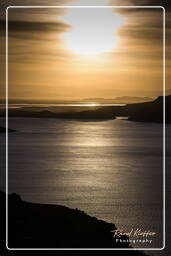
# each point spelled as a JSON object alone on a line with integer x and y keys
{"x": 165, "y": 4}
{"x": 36, "y": 58}
{"x": 25, "y": 26}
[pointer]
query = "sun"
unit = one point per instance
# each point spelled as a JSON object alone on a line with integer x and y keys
{"x": 93, "y": 30}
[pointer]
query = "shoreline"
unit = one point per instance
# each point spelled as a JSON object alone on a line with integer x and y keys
{"x": 34, "y": 225}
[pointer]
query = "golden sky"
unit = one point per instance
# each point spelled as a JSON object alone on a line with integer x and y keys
{"x": 72, "y": 53}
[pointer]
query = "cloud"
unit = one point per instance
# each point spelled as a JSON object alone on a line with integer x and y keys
{"x": 24, "y": 29}
{"x": 20, "y": 26}
{"x": 6, "y": 3}
{"x": 142, "y": 33}
{"x": 145, "y": 23}
{"x": 143, "y": 38}
{"x": 166, "y": 4}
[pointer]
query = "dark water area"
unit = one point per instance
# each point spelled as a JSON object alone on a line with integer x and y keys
{"x": 111, "y": 169}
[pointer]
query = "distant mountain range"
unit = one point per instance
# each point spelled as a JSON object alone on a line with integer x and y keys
{"x": 121, "y": 100}
{"x": 128, "y": 99}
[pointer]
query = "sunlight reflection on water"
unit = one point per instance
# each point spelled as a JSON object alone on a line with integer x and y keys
{"x": 110, "y": 169}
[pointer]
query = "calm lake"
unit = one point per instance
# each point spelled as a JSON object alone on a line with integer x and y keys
{"x": 110, "y": 169}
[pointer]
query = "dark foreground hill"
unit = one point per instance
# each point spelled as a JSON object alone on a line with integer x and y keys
{"x": 150, "y": 111}
{"x": 3, "y": 130}
{"x": 43, "y": 226}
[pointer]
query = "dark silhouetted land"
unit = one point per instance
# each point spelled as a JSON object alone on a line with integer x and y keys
{"x": 43, "y": 226}
{"x": 151, "y": 111}
{"x": 91, "y": 114}
{"x": 3, "y": 129}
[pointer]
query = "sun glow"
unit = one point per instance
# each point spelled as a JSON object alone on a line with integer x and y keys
{"x": 93, "y": 30}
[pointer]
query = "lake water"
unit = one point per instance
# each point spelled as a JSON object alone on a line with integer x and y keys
{"x": 109, "y": 169}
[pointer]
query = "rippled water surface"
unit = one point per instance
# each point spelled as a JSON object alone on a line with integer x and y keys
{"x": 110, "y": 169}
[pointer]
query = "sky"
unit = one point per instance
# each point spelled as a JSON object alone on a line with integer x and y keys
{"x": 75, "y": 53}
